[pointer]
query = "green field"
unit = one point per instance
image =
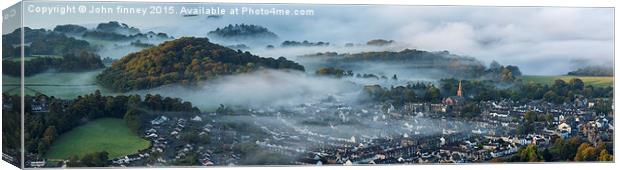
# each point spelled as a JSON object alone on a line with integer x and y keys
{"x": 30, "y": 57}
{"x": 594, "y": 81}
{"x": 53, "y": 84}
{"x": 105, "y": 134}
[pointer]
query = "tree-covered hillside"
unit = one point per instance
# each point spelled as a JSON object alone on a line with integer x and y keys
{"x": 593, "y": 71}
{"x": 453, "y": 65}
{"x": 71, "y": 62}
{"x": 242, "y": 31}
{"x": 186, "y": 60}
{"x": 41, "y": 42}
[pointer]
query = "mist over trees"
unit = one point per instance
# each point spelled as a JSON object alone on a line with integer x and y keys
{"x": 380, "y": 42}
{"x": 593, "y": 71}
{"x": 242, "y": 31}
{"x": 187, "y": 61}
{"x": 486, "y": 90}
{"x": 305, "y": 43}
{"x": 110, "y": 31}
{"x": 114, "y": 26}
{"x": 70, "y": 29}
{"x": 331, "y": 71}
{"x": 39, "y": 43}
{"x": 446, "y": 64}
{"x": 71, "y": 62}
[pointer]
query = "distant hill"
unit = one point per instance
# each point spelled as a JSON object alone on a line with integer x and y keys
{"x": 187, "y": 61}
{"x": 240, "y": 32}
{"x": 115, "y": 31}
{"x": 116, "y": 27}
{"x": 450, "y": 64}
{"x": 410, "y": 58}
{"x": 110, "y": 31}
{"x": 380, "y": 42}
{"x": 593, "y": 71}
{"x": 304, "y": 43}
{"x": 70, "y": 29}
{"x": 41, "y": 42}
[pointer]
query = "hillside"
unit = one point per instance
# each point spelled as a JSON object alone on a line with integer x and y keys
{"x": 603, "y": 71}
{"x": 186, "y": 60}
{"x": 110, "y": 31}
{"x": 449, "y": 65}
{"x": 242, "y": 32}
{"x": 38, "y": 43}
{"x": 70, "y": 62}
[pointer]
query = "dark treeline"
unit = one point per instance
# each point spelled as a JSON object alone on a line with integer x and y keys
{"x": 141, "y": 44}
{"x": 187, "y": 61}
{"x": 379, "y": 42}
{"x": 331, "y": 71}
{"x": 70, "y": 29}
{"x": 502, "y": 73}
{"x": 42, "y": 128}
{"x": 96, "y": 159}
{"x": 41, "y": 42}
{"x": 304, "y": 43}
{"x": 113, "y": 36}
{"x": 111, "y": 31}
{"x": 70, "y": 62}
{"x": 242, "y": 31}
{"x": 452, "y": 65}
{"x": 399, "y": 95}
{"x": 11, "y": 127}
{"x": 102, "y": 35}
{"x": 340, "y": 73}
{"x": 593, "y": 71}
{"x": 114, "y": 26}
{"x": 485, "y": 90}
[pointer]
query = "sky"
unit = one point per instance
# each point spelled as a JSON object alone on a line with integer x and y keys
{"x": 540, "y": 40}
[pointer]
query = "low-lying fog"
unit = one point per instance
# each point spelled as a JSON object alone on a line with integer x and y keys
{"x": 261, "y": 88}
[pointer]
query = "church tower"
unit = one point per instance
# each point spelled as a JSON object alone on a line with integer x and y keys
{"x": 460, "y": 91}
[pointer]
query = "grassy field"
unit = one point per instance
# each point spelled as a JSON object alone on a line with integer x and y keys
{"x": 594, "y": 81}
{"x": 105, "y": 134}
{"x": 30, "y": 57}
{"x": 55, "y": 80}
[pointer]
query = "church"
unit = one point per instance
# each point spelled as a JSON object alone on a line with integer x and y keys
{"x": 455, "y": 100}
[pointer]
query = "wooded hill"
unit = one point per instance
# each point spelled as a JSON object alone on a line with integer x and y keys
{"x": 187, "y": 61}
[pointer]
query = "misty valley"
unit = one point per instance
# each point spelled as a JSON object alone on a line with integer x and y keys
{"x": 246, "y": 94}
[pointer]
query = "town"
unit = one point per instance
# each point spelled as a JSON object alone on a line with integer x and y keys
{"x": 332, "y": 132}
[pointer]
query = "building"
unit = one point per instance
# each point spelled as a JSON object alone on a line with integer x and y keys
{"x": 455, "y": 100}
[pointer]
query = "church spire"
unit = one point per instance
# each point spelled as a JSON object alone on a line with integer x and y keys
{"x": 460, "y": 91}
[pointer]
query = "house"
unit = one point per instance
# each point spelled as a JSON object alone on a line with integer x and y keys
{"x": 564, "y": 130}
{"x": 159, "y": 120}
{"x": 197, "y": 119}
{"x": 38, "y": 164}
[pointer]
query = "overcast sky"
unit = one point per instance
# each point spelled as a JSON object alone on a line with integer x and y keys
{"x": 540, "y": 40}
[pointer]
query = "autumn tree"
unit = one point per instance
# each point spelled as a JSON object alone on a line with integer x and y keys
{"x": 586, "y": 152}
{"x": 605, "y": 156}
